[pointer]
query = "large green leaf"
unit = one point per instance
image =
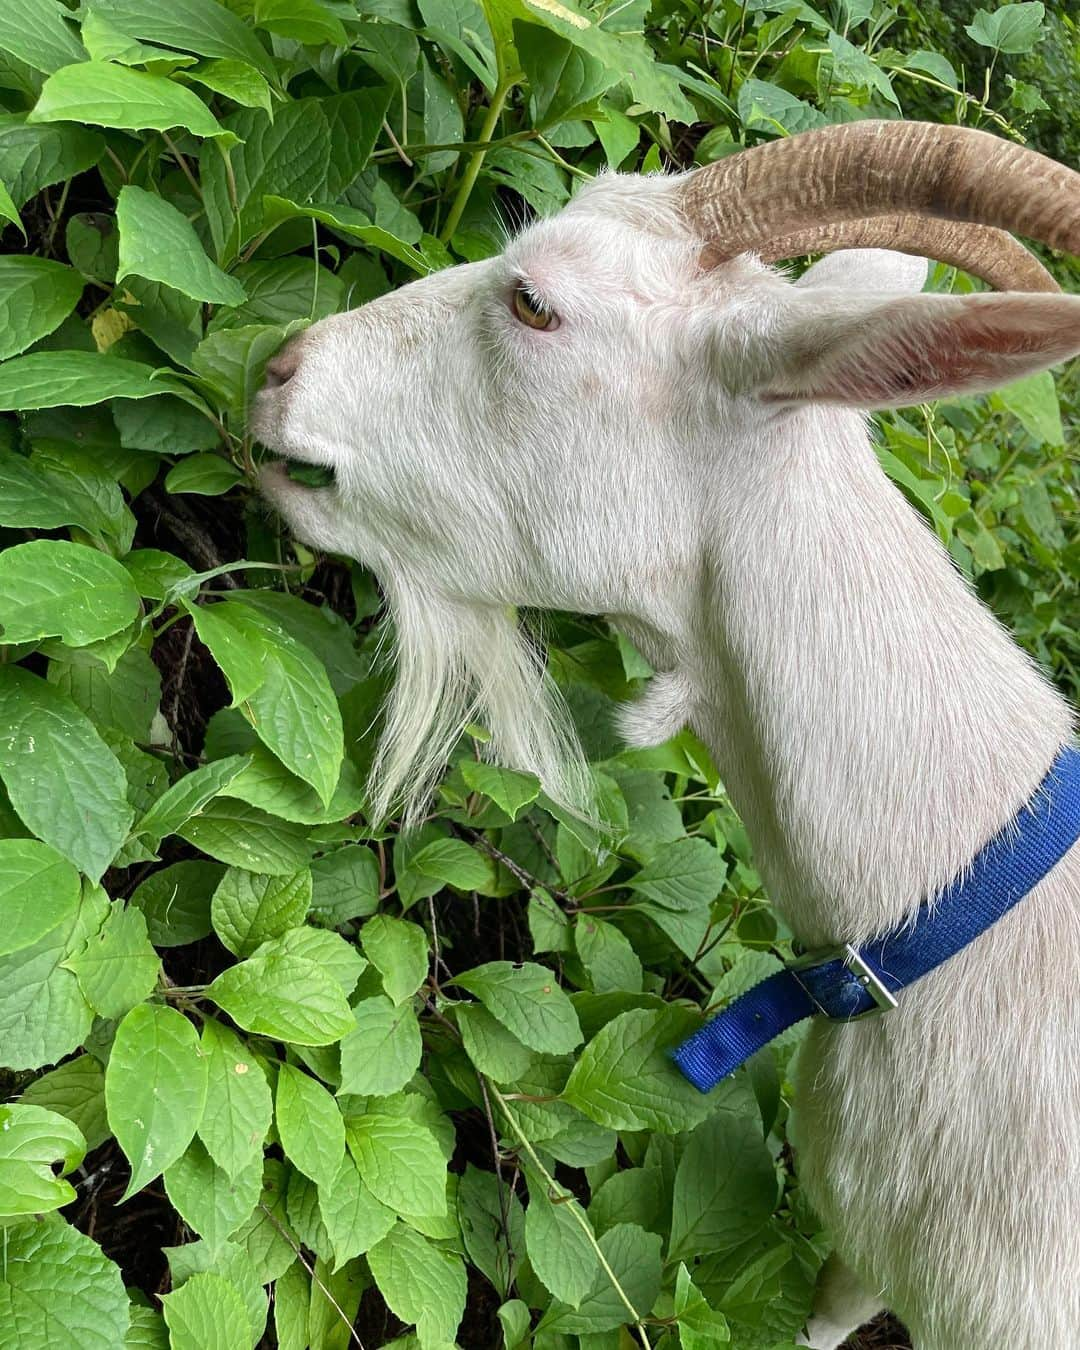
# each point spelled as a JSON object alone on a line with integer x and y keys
{"x": 110, "y": 95}
{"x": 207, "y": 1312}
{"x": 35, "y": 157}
{"x": 37, "y": 1149}
{"x": 63, "y": 780}
{"x": 37, "y": 32}
{"x": 155, "y": 1089}
{"x": 382, "y": 1052}
{"x": 421, "y": 1283}
{"x": 561, "y": 1244}
{"x": 249, "y": 908}
{"x": 527, "y": 1000}
{"x": 243, "y": 836}
{"x": 400, "y": 1163}
{"x": 207, "y": 1198}
{"x": 76, "y": 1090}
{"x": 45, "y": 1261}
{"x": 36, "y": 296}
{"x": 159, "y": 243}
{"x": 309, "y": 1125}
{"x": 286, "y": 157}
{"x": 187, "y": 797}
{"x": 238, "y": 1105}
{"x": 725, "y": 1183}
{"x": 685, "y": 875}
{"x": 43, "y": 1014}
{"x": 399, "y": 951}
{"x": 50, "y": 588}
{"x": 353, "y": 1218}
{"x": 633, "y": 1256}
{"x": 75, "y": 379}
{"x": 118, "y": 967}
{"x": 39, "y": 890}
{"x": 624, "y": 1078}
{"x": 287, "y": 997}
{"x": 1009, "y": 28}
{"x": 202, "y": 26}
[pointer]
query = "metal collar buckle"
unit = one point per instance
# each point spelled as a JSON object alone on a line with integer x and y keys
{"x": 884, "y": 999}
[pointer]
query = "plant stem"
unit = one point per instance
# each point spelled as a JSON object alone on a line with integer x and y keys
{"x": 575, "y": 1210}
{"x": 472, "y": 169}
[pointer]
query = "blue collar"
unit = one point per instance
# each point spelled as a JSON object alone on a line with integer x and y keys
{"x": 845, "y": 982}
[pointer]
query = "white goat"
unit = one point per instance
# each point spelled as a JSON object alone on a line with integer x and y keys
{"x": 610, "y": 418}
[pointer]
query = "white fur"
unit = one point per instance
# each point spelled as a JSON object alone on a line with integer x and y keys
{"x": 687, "y": 453}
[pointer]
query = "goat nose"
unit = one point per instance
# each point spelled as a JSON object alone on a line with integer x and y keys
{"x": 281, "y": 368}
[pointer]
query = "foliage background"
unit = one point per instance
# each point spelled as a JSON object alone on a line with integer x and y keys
{"x": 415, "y": 1088}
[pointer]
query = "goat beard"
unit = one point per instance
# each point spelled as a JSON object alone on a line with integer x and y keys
{"x": 459, "y": 662}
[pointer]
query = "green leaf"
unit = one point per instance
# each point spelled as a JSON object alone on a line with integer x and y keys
{"x": 624, "y": 1078}
{"x": 493, "y": 1050}
{"x": 37, "y": 32}
{"x": 159, "y": 243}
{"x": 76, "y": 1090}
{"x": 63, "y": 780}
{"x": 35, "y": 157}
{"x": 333, "y": 953}
{"x": 203, "y": 475}
{"x": 187, "y": 797}
{"x": 234, "y": 79}
{"x": 563, "y": 79}
{"x": 685, "y": 875}
{"x": 238, "y": 1107}
{"x": 236, "y": 1262}
{"x": 350, "y": 222}
{"x": 1034, "y": 402}
{"x": 382, "y": 1052}
{"x": 39, "y": 890}
{"x": 611, "y": 962}
{"x": 44, "y": 1261}
{"x": 43, "y": 1014}
{"x": 238, "y": 834}
{"x": 634, "y": 1258}
{"x": 118, "y": 967}
{"x": 492, "y": 1221}
{"x": 36, "y": 296}
{"x": 207, "y": 1199}
{"x": 293, "y": 708}
{"x": 176, "y": 902}
{"x": 421, "y": 1283}
{"x": 289, "y": 998}
{"x": 509, "y": 790}
{"x": 34, "y": 1141}
{"x": 302, "y": 20}
{"x": 399, "y": 951}
{"x": 725, "y": 1183}
{"x": 345, "y": 884}
{"x": 400, "y": 1162}
{"x": 124, "y": 699}
{"x": 74, "y": 379}
{"x": 1040, "y": 514}
{"x": 116, "y": 96}
{"x": 309, "y": 1124}
{"x": 445, "y": 862}
{"x": 286, "y": 157}
{"x": 155, "y": 1089}
{"x": 768, "y": 107}
{"x": 528, "y": 1001}
{"x": 353, "y": 1218}
{"x": 248, "y": 907}
{"x": 10, "y": 212}
{"x": 202, "y": 26}
{"x": 934, "y": 64}
{"x": 147, "y": 1331}
{"x": 1010, "y": 28}
{"x": 561, "y": 1252}
{"x": 50, "y": 588}
{"x": 207, "y": 1312}
{"x": 267, "y": 784}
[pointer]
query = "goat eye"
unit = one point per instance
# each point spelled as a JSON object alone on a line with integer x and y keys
{"x": 532, "y": 311}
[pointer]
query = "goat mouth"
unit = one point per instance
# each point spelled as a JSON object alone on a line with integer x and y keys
{"x": 300, "y": 472}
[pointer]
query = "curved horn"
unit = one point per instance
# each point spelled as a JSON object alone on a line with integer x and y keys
{"x": 870, "y": 169}
{"x": 995, "y": 256}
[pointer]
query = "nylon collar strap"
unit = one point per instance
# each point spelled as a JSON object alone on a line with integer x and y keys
{"x": 845, "y": 983}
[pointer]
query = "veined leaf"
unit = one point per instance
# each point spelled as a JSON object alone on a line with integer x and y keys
{"x": 238, "y": 1106}
{"x": 33, "y": 1141}
{"x": 76, "y": 379}
{"x": 117, "y": 96}
{"x": 38, "y": 890}
{"x": 38, "y": 32}
{"x": 36, "y": 296}
{"x": 49, "y": 588}
{"x": 527, "y": 1000}
{"x": 287, "y": 997}
{"x": 159, "y": 243}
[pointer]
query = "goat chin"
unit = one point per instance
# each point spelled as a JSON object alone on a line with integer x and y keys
{"x": 687, "y": 452}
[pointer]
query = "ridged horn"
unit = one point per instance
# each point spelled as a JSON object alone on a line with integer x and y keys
{"x": 995, "y": 256}
{"x": 865, "y": 170}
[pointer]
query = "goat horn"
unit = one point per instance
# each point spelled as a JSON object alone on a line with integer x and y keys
{"x": 995, "y": 256}
{"x": 870, "y": 169}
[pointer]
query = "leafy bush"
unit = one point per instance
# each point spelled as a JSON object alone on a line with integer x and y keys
{"x": 400, "y": 1080}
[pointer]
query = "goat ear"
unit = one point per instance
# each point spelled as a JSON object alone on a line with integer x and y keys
{"x": 867, "y": 270}
{"x": 894, "y": 351}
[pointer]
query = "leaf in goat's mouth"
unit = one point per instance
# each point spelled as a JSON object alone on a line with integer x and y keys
{"x": 310, "y": 475}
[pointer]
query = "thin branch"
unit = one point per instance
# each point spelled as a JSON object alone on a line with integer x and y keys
{"x": 314, "y": 1278}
